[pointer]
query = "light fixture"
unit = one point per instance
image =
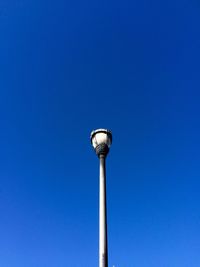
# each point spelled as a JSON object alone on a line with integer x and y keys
{"x": 101, "y": 140}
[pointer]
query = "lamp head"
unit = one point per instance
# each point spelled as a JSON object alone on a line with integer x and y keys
{"x": 101, "y": 140}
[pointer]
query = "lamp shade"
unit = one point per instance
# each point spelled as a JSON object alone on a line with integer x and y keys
{"x": 101, "y": 136}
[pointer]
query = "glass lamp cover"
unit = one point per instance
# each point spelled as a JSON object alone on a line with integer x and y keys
{"x": 101, "y": 138}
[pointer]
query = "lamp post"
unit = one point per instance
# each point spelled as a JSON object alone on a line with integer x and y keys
{"x": 101, "y": 140}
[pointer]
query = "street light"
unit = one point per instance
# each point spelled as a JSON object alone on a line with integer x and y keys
{"x": 101, "y": 140}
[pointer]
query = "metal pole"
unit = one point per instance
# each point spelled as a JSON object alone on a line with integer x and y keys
{"x": 103, "y": 250}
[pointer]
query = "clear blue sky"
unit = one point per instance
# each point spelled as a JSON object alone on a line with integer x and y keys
{"x": 68, "y": 67}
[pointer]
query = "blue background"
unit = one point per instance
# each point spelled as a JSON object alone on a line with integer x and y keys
{"x": 68, "y": 67}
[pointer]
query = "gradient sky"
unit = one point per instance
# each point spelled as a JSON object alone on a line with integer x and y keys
{"x": 68, "y": 67}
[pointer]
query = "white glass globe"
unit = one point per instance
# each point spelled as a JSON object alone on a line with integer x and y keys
{"x": 101, "y": 136}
